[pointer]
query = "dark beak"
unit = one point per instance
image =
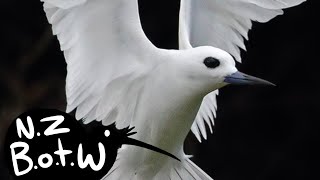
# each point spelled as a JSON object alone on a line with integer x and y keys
{"x": 239, "y": 78}
{"x": 135, "y": 142}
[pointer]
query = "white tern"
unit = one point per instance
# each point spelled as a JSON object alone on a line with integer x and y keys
{"x": 116, "y": 75}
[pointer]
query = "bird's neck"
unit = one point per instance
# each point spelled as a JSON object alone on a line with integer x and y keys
{"x": 166, "y": 111}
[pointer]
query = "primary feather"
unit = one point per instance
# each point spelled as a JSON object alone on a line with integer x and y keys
{"x": 103, "y": 83}
{"x": 223, "y": 24}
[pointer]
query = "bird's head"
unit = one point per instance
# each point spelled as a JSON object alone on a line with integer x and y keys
{"x": 212, "y": 68}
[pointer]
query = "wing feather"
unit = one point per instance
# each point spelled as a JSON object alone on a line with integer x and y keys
{"x": 206, "y": 115}
{"x": 102, "y": 82}
{"x": 223, "y": 24}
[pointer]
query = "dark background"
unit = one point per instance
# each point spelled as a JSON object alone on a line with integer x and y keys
{"x": 261, "y": 133}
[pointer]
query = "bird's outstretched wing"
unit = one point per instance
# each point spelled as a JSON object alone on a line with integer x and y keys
{"x": 223, "y": 24}
{"x": 206, "y": 115}
{"x": 102, "y": 42}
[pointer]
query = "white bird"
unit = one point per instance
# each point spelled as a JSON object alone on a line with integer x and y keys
{"x": 115, "y": 74}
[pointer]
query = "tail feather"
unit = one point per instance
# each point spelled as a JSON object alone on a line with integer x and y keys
{"x": 119, "y": 170}
{"x": 172, "y": 170}
{"x": 199, "y": 171}
{"x": 185, "y": 170}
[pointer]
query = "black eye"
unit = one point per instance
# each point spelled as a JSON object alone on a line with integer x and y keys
{"x": 211, "y": 62}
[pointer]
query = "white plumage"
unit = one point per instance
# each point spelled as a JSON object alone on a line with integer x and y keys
{"x": 115, "y": 74}
{"x": 222, "y": 24}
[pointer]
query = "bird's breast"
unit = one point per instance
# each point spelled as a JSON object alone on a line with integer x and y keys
{"x": 165, "y": 114}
